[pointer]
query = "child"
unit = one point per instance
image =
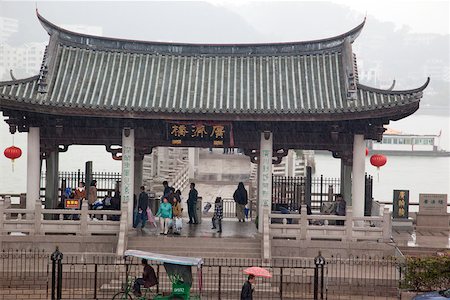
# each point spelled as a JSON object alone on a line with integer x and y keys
{"x": 218, "y": 214}
{"x": 177, "y": 214}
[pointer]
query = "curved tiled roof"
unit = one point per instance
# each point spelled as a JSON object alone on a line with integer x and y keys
{"x": 304, "y": 80}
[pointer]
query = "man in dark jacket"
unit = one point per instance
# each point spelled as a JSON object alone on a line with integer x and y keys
{"x": 148, "y": 279}
{"x": 240, "y": 196}
{"x": 192, "y": 205}
{"x": 141, "y": 213}
{"x": 247, "y": 288}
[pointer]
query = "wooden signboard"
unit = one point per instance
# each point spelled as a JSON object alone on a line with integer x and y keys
{"x": 195, "y": 133}
{"x": 400, "y": 204}
{"x": 72, "y": 203}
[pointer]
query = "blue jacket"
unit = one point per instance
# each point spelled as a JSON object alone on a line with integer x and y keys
{"x": 165, "y": 210}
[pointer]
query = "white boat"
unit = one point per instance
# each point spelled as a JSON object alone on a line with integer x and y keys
{"x": 397, "y": 143}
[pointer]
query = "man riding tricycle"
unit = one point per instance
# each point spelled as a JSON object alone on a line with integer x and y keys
{"x": 178, "y": 269}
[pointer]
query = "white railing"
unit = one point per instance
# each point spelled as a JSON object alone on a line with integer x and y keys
{"x": 50, "y": 221}
{"x": 308, "y": 227}
{"x": 181, "y": 177}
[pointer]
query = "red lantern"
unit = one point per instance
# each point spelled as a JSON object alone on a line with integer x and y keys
{"x": 13, "y": 153}
{"x": 378, "y": 160}
{"x": 367, "y": 151}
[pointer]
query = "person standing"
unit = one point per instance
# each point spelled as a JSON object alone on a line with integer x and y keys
{"x": 177, "y": 195}
{"x": 92, "y": 196}
{"x": 218, "y": 214}
{"x": 141, "y": 209}
{"x": 247, "y": 288}
{"x": 80, "y": 192}
{"x": 192, "y": 204}
{"x": 177, "y": 214}
{"x": 240, "y": 196}
{"x": 165, "y": 215}
{"x": 166, "y": 190}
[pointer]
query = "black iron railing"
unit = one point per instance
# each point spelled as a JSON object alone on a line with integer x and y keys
{"x": 291, "y": 192}
{"x": 101, "y": 276}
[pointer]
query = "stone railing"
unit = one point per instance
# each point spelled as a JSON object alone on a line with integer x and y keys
{"x": 56, "y": 221}
{"x": 310, "y": 227}
{"x": 181, "y": 176}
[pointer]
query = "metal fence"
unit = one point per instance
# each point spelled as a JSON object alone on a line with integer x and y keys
{"x": 102, "y": 276}
{"x": 364, "y": 275}
{"x": 291, "y": 192}
{"x": 106, "y": 181}
{"x": 85, "y": 276}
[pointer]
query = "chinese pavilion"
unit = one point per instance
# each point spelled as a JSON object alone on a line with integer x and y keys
{"x": 264, "y": 98}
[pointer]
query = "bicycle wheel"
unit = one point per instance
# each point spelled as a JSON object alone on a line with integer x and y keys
{"x": 122, "y": 296}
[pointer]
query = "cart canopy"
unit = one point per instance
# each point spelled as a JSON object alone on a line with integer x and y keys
{"x": 171, "y": 259}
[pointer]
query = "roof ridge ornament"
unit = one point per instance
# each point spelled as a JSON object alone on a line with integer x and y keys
{"x": 71, "y": 38}
{"x": 350, "y": 77}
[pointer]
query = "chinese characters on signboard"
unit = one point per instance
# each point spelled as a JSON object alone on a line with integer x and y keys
{"x": 126, "y": 174}
{"x": 400, "y": 204}
{"x": 433, "y": 203}
{"x": 183, "y": 133}
{"x": 72, "y": 204}
{"x": 266, "y": 178}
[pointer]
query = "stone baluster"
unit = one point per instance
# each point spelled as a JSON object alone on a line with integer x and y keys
{"x": 303, "y": 223}
{"x": 349, "y": 225}
{"x": 84, "y": 218}
{"x": 38, "y": 217}
{"x": 2, "y": 214}
{"x": 387, "y": 224}
{"x": 7, "y": 205}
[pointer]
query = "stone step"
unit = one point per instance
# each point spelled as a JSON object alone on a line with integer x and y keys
{"x": 174, "y": 242}
{"x": 162, "y": 249}
{"x": 190, "y": 253}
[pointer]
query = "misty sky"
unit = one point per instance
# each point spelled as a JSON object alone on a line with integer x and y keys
{"x": 230, "y": 21}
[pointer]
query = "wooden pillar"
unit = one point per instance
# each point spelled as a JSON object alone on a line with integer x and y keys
{"x": 127, "y": 188}
{"x": 33, "y": 167}
{"x": 138, "y": 173}
{"x": 359, "y": 171}
{"x": 346, "y": 182}
{"x": 51, "y": 179}
{"x": 265, "y": 176}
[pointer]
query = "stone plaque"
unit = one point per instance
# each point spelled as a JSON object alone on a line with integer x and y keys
{"x": 400, "y": 204}
{"x": 435, "y": 204}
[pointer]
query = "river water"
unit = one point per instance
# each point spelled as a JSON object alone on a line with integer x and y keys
{"x": 417, "y": 174}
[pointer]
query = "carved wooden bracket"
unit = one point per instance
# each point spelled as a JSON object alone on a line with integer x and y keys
{"x": 277, "y": 155}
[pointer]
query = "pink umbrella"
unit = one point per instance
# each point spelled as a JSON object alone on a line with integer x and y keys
{"x": 258, "y": 272}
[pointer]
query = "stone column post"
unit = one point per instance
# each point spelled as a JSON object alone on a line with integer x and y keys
{"x": 127, "y": 188}
{"x": 193, "y": 162}
{"x": 51, "y": 179}
{"x": 265, "y": 176}
{"x": 359, "y": 169}
{"x": 33, "y": 167}
{"x": 138, "y": 174}
{"x": 346, "y": 182}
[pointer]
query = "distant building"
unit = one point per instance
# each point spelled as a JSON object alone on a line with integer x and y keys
{"x": 438, "y": 69}
{"x": 8, "y": 26}
{"x": 23, "y": 60}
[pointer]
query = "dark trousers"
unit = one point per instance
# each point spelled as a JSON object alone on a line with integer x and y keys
{"x": 192, "y": 212}
{"x": 140, "y": 217}
{"x": 137, "y": 284}
{"x": 217, "y": 223}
